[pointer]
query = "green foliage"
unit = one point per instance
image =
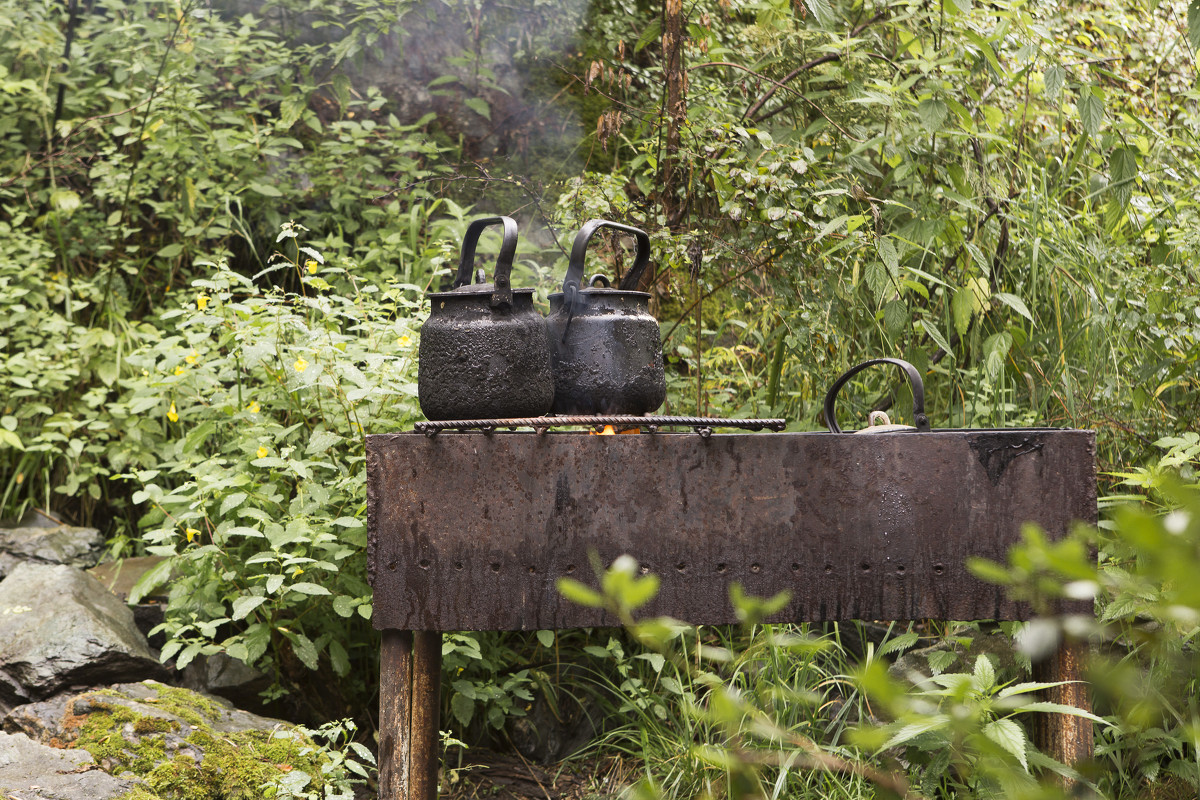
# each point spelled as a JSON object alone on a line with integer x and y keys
{"x": 782, "y": 712}
{"x": 264, "y": 398}
{"x": 1140, "y": 568}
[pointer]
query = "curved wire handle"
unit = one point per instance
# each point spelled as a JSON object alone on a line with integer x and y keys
{"x": 914, "y": 380}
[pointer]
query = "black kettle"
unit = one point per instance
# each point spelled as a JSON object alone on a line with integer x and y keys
{"x": 484, "y": 351}
{"x": 606, "y": 347}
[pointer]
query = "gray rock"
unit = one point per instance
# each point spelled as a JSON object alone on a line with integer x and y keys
{"x": 146, "y": 713}
{"x": 33, "y": 771}
{"x": 63, "y": 544}
{"x": 57, "y": 721}
{"x": 61, "y": 628}
{"x": 226, "y": 677}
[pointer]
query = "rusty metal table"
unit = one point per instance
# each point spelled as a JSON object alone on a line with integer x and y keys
{"x": 471, "y": 531}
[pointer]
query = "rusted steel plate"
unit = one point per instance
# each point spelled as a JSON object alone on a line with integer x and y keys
{"x": 471, "y": 531}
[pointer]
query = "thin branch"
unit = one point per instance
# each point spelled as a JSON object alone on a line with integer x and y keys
{"x": 816, "y": 62}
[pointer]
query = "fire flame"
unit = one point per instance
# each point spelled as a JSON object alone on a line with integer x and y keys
{"x": 609, "y": 430}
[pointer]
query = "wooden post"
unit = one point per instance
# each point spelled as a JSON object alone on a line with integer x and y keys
{"x": 409, "y": 705}
{"x": 1065, "y": 738}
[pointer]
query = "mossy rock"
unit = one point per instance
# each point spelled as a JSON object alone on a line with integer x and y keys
{"x": 183, "y": 745}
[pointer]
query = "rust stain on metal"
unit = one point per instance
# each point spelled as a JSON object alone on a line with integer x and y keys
{"x": 472, "y": 531}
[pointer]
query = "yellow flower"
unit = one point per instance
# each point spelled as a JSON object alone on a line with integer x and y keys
{"x": 312, "y": 266}
{"x": 201, "y": 301}
{"x": 172, "y": 414}
{"x": 403, "y": 341}
{"x": 254, "y": 407}
{"x": 180, "y": 370}
{"x": 300, "y": 364}
{"x": 191, "y": 534}
{"x": 261, "y": 452}
{"x": 297, "y": 572}
{"x": 192, "y": 358}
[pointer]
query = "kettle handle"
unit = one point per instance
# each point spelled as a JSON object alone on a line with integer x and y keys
{"x": 914, "y": 381}
{"x": 579, "y": 254}
{"x": 508, "y": 248}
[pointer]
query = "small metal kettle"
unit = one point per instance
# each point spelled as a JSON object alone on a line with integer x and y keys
{"x": 606, "y": 346}
{"x": 484, "y": 351}
{"x": 918, "y": 393}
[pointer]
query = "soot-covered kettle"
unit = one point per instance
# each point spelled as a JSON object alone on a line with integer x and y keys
{"x": 606, "y": 347}
{"x": 484, "y": 351}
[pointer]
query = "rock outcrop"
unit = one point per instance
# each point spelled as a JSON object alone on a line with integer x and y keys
{"x": 33, "y": 771}
{"x": 61, "y": 628}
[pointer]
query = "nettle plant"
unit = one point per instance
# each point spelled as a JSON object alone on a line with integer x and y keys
{"x": 259, "y": 499}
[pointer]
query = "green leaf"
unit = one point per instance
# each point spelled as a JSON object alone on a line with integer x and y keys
{"x": 231, "y": 502}
{"x": 1055, "y": 76}
{"x": 321, "y": 441}
{"x": 831, "y": 226}
{"x": 653, "y": 31}
{"x": 10, "y": 439}
{"x": 1059, "y": 708}
{"x": 1193, "y": 22}
{"x": 895, "y": 318}
{"x": 1015, "y": 303}
{"x": 546, "y": 638}
{"x": 338, "y": 658}
{"x": 821, "y": 10}
{"x": 479, "y": 106}
{"x": 153, "y": 578}
{"x": 996, "y": 346}
{"x": 876, "y": 276}
{"x": 309, "y": 588}
{"x": 932, "y": 330}
{"x": 579, "y": 594}
{"x": 1010, "y": 736}
{"x": 962, "y": 307}
{"x": 932, "y": 113}
{"x": 264, "y": 189}
{"x": 1123, "y": 170}
{"x": 343, "y": 605}
{"x": 902, "y": 642}
{"x": 1091, "y": 108}
{"x": 657, "y": 660}
{"x": 915, "y": 729}
{"x": 463, "y": 708}
{"x": 985, "y": 673}
{"x": 273, "y": 583}
{"x": 304, "y": 649}
{"x": 887, "y": 252}
{"x": 940, "y": 660}
{"x": 188, "y": 654}
{"x": 244, "y": 605}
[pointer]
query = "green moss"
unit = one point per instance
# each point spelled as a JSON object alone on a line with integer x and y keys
{"x": 235, "y": 766}
{"x": 188, "y": 706}
{"x": 139, "y": 793}
{"x": 102, "y": 735}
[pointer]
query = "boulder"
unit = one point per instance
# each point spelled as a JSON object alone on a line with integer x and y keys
{"x": 61, "y": 628}
{"x": 227, "y": 678}
{"x": 181, "y": 743}
{"x": 62, "y": 544}
{"x": 33, "y": 771}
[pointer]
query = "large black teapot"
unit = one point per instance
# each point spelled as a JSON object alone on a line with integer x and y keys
{"x": 607, "y": 348}
{"x": 484, "y": 352}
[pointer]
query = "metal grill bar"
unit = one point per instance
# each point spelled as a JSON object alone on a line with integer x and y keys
{"x": 701, "y": 425}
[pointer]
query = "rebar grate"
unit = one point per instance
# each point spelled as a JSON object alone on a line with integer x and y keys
{"x": 649, "y": 424}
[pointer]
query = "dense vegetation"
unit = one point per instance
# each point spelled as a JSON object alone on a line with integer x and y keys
{"x": 218, "y": 224}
